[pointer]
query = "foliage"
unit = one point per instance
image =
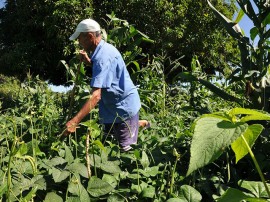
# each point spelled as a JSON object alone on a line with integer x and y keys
{"x": 37, "y": 165}
{"x": 180, "y": 29}
{"x": 197, "y": 78}
{"x": 127, "y": 39}
{"x": 9, "y": 89}
{"x": 213, "y": 133}
{"x": 254, "y": 66}
{"x": 42, "y": 39}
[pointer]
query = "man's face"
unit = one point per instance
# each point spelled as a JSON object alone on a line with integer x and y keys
{"x": 86, "y": 40}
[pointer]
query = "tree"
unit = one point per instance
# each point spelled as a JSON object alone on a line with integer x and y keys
{"x": 180, "y": 29}
{"x": 34, "y": 36}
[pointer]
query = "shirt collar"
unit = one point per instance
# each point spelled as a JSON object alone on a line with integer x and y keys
{"x": 100, "y": 44}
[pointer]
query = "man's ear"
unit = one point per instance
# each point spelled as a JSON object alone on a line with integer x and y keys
{"x": 91, "y": 35}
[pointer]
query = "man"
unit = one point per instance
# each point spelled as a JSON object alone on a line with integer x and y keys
{"x": 112, "y": 87}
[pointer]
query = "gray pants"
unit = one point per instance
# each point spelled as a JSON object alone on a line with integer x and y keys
{"x": 126, "y": 133}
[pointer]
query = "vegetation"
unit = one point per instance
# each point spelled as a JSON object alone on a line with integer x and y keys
{"x": 255, "y": 63}
{"x": 34, "y": 36}
{"x": 9, "y": 89}
{"x": 180, "y": 31}
{"x": 208, "y": 141}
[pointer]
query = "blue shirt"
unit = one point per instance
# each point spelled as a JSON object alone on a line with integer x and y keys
{"x": 119, "y": 96}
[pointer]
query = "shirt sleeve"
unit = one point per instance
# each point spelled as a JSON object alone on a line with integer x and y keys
{"x": 102, "y": 74}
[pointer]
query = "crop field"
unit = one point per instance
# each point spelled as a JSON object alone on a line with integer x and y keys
{"x": 204, "y": 86}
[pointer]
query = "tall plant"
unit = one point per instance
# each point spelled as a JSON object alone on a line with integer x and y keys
{"x": 255, "y": 57}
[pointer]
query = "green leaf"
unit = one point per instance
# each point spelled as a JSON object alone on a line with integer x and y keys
{"x": 39, "y": 181}
{"x": 148, "y": 192}
{"x": 174, "y": 200}
{"x": 237, "y": 110}
{"x": 266, "y": 20}
{"x": 55, "y": 161}
{"x": 59, "y": 175}
{"x": 256, "y": 188}
{"x": 74, "y": 199}
{"x": 68, "y": 155}
{"x": 110, "y": 179}
{"x": 95, "y": 160}
{"x": 22, "y": 150}
{"x": 91, "y": 124}
{"x": 144, "y": 161}
{"x": 223, "y": 117}
{"x": 97, "y": 187}
{"x": 75, "y": 187}
{"x": 110, "y": 167}
{"x": 51, "y": 196}
{"x": 239, "y": 16}
{"x": 150, "y": 171}
{"x": 138, "y": 188}
{"x": 232, "y": 194}
{"x": 253, "y": 33}
{"x": 79, "y": 168}
{"x": 251, "y": 134}
{"x": 74, "y": 184}
{"x": 263, "y": 117}
{"x": 30, "y": 195}
{"x": 99, "y": 144}
{"x": 189, "y": 194}
{"x": 134, "y": 175}
{"x": 33, "y": 131}
{"x": 256, "y": 200}
{"x": 147, "y": 172}
{"x": 116, "y": 198}
{"x": 137, "y": 154}
{"x": 211, "y": 137}
{"x": 3, "y": 189}
{"x": 36, "y": 149}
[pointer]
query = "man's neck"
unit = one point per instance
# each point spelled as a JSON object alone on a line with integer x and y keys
{"x": 96, "y": 42}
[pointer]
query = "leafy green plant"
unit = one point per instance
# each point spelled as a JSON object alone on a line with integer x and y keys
{"x": 181, "y": 30}
{"x": 127, "y": 38}
{"x": 9, "y": 90}
{"x": 32, "y": 53}
{"x": 213, "y": 133}
{"x": 84, "y": 166}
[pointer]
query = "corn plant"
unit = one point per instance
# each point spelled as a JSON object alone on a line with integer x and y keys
{"x": 255, "y": 58}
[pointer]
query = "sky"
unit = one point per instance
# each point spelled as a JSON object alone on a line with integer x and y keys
{"x": 245, "y": 24}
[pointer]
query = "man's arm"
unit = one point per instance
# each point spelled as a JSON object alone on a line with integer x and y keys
{"x": 87, "y": 107}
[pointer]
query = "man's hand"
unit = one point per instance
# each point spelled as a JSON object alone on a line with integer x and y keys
{"x": 84, "y": 57}
{"x": 71, "y": 127}
{"x": 85, "y": 110}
